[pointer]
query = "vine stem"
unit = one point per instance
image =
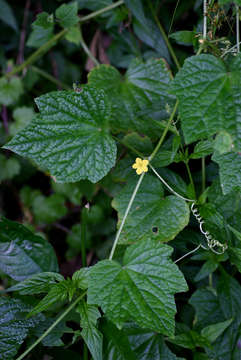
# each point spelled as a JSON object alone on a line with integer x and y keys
{"x": 164, "y": 132}
{"x": 203, "y": 174}
{"x": 52, "y": 326}
{"x": 189, "y": 253}
{"x": 140, "y": 181}
{"x": 45, "y": 47}
{"x": 87, "y": 50}
{"x": 237, "y": 29}
{"x": 125, "y": 215}
{"x": 190, "y": 178}
{"x": 169, "y": 46}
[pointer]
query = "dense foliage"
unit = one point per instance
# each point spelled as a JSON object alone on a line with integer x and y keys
{"x": 120, "y": 180}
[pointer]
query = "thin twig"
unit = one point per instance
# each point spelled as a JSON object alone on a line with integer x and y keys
{"x": 20, "y": 57}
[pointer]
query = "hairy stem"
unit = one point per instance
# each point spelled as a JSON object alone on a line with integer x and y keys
{"x": 48, "y": 45}
{"x": 52, "y": 326}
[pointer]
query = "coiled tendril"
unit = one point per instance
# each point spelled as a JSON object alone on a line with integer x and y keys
{"x": 211, "y": 242}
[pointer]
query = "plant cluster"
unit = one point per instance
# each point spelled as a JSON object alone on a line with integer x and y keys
{"x": 124, "y": 240}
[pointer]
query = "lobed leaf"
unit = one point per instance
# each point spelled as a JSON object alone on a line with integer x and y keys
{"x": 141, "y": 289}
{"x": 209, "y": 93}
{"x": 70, "y": 137}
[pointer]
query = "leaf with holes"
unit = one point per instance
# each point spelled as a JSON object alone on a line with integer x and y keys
{"x": 140, "y": 98}
{"x": 71, "y": 136}
{"x": 209, "y": 92}
{"x": 151, "y": 214}
{"x": 142, "y": 289}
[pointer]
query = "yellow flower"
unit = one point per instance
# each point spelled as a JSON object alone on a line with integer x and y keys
{"x": 140, "y": 166}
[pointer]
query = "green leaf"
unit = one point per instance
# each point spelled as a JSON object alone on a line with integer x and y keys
{"x": 208, "y": 268}
{"x": 206, "y": 84}
{"x": 212, "y": 332}
{"x": 9, "y": 168}
{"x": 190, "y": 340}
{"x": 223, "y": 142}
{"x": 81, "y": 278}
{"x": 10, "y": 90}
{"x": 140, "y": 143}
{"x": 151, "y": 214}
{"x": 118, "y": 345}
{"x": 67, "y": 14}
{"x": 22, "y": 116}
{"x": 73, "y": 35}
{"x": 71, "y": 136}
{"x": 49, "y": 209}
{"x": 234, "y": 250}
{"x": 54, "y": 337}
{"x": 207, "y": 307}
{"x": 142, "y": 289}
{"x": 148, "y": 345}
{"x": 141, "y": 94}
{"x": 89, "y": 315}
{"x": 146, "y": 29}
{"x": 7, "y": 16}
{"x": 43, "y": 28}
{"x": 202, "y": 148}
{"x": 37, "y": 284}
{"x": 14, "y": 327}
{"x": 22, "y": 253}
{"x": 166, "y": 155}
{"x": 229, "y": 170}
{"x": 93, "y": 4}
{"x": 58, "y": 292}
{"x": 183, "y": 37}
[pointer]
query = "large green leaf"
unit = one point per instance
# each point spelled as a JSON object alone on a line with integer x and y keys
{"x": 70, "y": 137}
{"x": 89, "y": 315}
{"x": 14, "y": 326}
{"x": 141, "y": 289}
{"x": 140, "y": 98}
{"x": 230, "y": 171}
{"x": 151, "y": 214}
{"x": 209, "y": 93}
{"x": 22, "y": 253}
